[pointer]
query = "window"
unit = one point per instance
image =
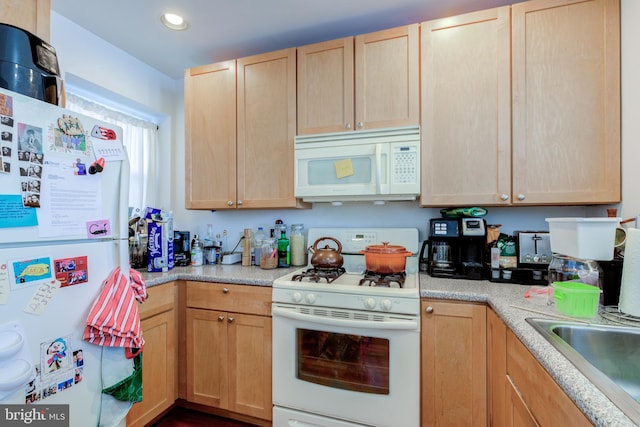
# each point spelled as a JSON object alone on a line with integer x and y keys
{"x": 140, "y": 139}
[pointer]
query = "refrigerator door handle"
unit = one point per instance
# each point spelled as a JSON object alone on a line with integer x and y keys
{"x": 123, "y": 223}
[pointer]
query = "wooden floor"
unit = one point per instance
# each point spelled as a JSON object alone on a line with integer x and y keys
{"x": 182, "y": 417}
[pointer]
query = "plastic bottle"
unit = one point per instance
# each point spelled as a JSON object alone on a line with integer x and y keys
{"x": 225, "y": 242}
{"x": 258, "y": 237}
{"x": 297, "y": 245}
{"x": 196, "y": 251}
{"x": 283, "y": 248}
{"x": 170, "y": 249}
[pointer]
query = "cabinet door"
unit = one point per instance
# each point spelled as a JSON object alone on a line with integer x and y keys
{"x": 387, "y": 78}
{"x": 454, "y": 356}
{"x": 31, "y": 15}
{"x": 159, "y": 369}
{"x": 210, "y": 130}
{"x": 537, "y": 391}
{"x": 207, "y": 357}
{"x": 325, "y": 87}
{"x": 159, "y": 356}
{"x": 496, "y": 368}
{"x": 266, "y": 127}
{"x": 518, "y": 414}
{"x": 466, "y": 109}
{"x": 566, "y": 101}
{"x": 250, "y": 365}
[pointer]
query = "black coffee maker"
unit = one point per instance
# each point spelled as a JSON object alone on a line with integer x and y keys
{"x": 456, "y": 248}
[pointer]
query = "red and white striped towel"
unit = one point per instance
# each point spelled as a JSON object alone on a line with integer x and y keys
{"x": 114, "y": 320}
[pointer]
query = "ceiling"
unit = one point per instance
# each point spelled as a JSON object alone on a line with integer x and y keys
{"x": 226, "y": 29}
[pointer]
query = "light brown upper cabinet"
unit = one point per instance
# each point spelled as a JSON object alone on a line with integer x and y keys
{"x": 240, "y": 122}
{"x": 210, "y": 129}
{"x": 363, "y": 82}
{"x": 31, "y": 15}
{"x": 566, "y": 102}
{"x": 466, "y": 109}
{"x": 534, "y": 123}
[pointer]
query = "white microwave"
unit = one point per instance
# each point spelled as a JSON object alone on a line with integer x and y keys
{"x": 373, "y": 165}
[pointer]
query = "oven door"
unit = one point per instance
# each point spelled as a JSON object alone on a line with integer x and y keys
{"x": 341, "y": 365}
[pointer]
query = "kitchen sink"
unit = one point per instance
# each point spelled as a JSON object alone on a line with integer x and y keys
{"x": 609, "y": 356}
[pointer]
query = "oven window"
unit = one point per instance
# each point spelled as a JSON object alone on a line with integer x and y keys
{"x": 350, "y": 362}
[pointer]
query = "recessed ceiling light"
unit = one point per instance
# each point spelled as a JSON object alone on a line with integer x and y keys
{"x": 173, "y": 21}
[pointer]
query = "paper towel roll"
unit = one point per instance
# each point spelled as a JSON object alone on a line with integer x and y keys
{"x": 630, "y": 284}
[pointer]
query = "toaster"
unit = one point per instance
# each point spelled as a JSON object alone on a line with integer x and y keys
{"x": 534, "y": 248}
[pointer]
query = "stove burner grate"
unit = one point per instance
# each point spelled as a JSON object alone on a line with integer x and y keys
{"x": 371, "y": 278}
{"x": 317, "y": 274}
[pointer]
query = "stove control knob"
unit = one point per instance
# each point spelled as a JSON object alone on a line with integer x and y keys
{"x": 386, "y": 304}
{"x": 370, "y": 303}
{"x": 311, "y": 298}
{"x": 297, "y": 297}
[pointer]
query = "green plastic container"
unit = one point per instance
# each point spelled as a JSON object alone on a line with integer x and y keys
{"x": 576, "y": 299}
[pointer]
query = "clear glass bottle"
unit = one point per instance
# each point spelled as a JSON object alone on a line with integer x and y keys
{"x": 298, "y": 257}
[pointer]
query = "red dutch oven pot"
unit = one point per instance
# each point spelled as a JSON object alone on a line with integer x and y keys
{"x": 386, "y": 258}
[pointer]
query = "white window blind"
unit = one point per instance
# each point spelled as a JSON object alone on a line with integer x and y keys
{"x": 140, "y": 139}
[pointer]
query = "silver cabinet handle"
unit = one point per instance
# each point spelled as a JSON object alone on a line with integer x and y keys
{"x": 239, "y": 202}
{"x": 429, "y": 309}
{"x": 360, "y": 125}
{"x": 230, "y": 319}
{"x": 229, "y": 203}
{"x": 347, "y": 125}
{"x": 225, "y": 290}
{"x": 220, "y": 318}
{"x": 521, "y": 197}
{"x": 504, "y": 197}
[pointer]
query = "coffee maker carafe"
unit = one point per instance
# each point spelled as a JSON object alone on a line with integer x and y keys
{"x": 456, "y": 248}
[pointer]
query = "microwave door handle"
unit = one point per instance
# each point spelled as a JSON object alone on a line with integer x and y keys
{"x": 378, "y": 168}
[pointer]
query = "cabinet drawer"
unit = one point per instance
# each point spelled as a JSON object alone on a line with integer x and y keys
{"x": 160, "y": 298}
{"x": 226, "y": 297}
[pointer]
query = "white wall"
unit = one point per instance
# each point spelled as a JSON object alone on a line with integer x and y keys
{"x": 85, "y": 56}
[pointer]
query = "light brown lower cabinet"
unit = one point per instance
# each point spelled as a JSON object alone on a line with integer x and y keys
{"x": 535, "y": 397}
{"x": 159, "y": 368}
{"x": 228, "y": 349}
{"x": 454, "y": 355}
{"x": 521, "y": 392}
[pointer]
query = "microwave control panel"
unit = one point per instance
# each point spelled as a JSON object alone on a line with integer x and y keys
{"x": 405, "y": 164}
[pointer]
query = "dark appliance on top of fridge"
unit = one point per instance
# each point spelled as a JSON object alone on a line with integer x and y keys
{"x": 455, "y": 248}
{"x": 28, "y": 65}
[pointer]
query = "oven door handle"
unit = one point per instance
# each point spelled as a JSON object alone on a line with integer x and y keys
{"x": 397, "y": 324}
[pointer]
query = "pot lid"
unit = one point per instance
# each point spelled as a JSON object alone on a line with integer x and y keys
{"x": 386, "y": 248}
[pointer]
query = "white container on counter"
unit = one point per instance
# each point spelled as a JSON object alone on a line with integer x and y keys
{"x": 583, "y": 238}
{"x": 297, "y": 245}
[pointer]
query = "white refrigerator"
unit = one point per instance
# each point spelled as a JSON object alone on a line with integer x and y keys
{"x": 63, "y": 229}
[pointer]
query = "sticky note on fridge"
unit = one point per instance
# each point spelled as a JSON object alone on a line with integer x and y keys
{"x": 98, "y": 229}
{"x": 42, "y": 297}
{"x": 343, "y": 167}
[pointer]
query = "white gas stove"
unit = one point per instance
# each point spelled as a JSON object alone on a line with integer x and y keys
{"x": 346, "y": 351}
{"x": 355, "y": 289}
